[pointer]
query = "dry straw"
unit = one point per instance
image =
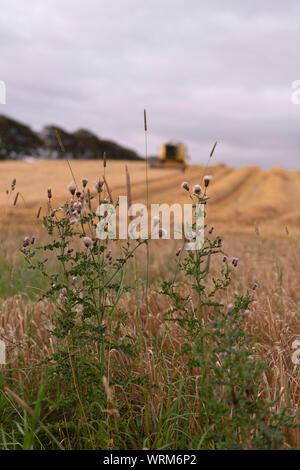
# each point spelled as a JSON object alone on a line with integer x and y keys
{"x": 19, "y": 400}
{"x": 147, "y": 198}
{"x": 128, "y": 186}
{"x": 16, "y": 199}
{"x": 108, "y": 190}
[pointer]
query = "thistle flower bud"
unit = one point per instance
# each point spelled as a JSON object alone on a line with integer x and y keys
{"x": 224, "y": 259}
{"x": 98, "y": 186}
{"x": 255, "y": 286}
{"x": 108, "y": 254}
{"x": 32, "y": 240}
{"x": 245, "y": 314}
{"x": 70, "y": 250}
{"x": 13, "y": 184}
{"x": 185, "y": 185}
{"x": 26, "y": 242}
{"x": 230, "y": 309}
{"x": 197, "y": 189}
{"x": 85, "y": 182}
{"x": 78, "y": 194}
{"x": 211, "y": 230}
{"x": 78, "y": 208}
{"x": 178, "y": 252}
{"x": 235, "y": 262}
{"x": 88, "y": 242}
{"x": 49, "y": 193}
{"x": 72, "y": 188}
{"x": 74, "y": 220}
{"x": 207, "y": 179}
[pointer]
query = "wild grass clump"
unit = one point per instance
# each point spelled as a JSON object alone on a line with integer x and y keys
{"x": 170, "y": 367}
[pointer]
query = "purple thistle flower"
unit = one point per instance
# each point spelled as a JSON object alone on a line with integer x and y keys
{"x": 197, "y": 189}
{"x": 224, "y": 259}
{"x": 88, "y": 242}
{"x": 207, "y": 179}
{"x": 255, "y": 286}
{"x": 185, "y": 185}
{"x": 230, "y": 309}
{"x": 26, "y": 242}
{"x": 98, "y": 186}
{"x": 245, "y": 314}
{"x": 72, "y": 187}
{"x": 235, "y": 262}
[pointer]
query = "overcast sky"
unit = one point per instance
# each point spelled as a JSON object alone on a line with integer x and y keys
{"x": 205, "y": 71}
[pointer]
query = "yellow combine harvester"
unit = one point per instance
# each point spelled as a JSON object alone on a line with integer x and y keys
{"x": 172, "y": 155}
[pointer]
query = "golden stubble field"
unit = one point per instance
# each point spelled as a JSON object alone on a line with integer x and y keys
{"x": 241, "y": 199}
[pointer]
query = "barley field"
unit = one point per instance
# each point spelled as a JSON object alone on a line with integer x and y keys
{"x": 240, "y": 199}
{"x": 145, "y": 399}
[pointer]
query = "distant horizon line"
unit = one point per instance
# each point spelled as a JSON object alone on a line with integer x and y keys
{"x": 140, "y": 156}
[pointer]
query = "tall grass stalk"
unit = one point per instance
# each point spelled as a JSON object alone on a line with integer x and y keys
{"x": 147, "y": 203}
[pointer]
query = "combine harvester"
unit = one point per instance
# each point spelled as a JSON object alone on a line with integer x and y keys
{"x": 172, "y": 155}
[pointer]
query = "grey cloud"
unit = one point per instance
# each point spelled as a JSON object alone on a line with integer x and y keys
{"x": 204, "y": 70}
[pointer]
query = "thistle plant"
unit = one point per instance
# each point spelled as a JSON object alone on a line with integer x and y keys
{"x": 233, "y": 412}
{"x": 85, "y": 285}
